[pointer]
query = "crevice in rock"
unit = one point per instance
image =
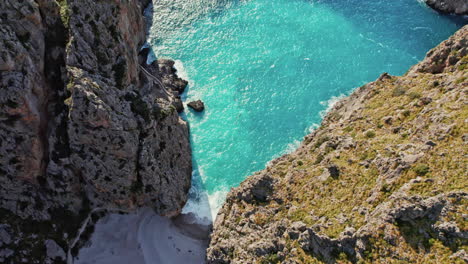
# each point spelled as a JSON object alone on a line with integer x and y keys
{"x": 54, "y": 109}
{"x": 137, "y": 186}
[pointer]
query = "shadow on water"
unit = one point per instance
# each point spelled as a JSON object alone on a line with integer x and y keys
{"x": 458, "y": 20}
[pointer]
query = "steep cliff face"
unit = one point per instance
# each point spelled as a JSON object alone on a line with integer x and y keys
{"x": 84, "y": 122}
{"x": 459, "y": 7}
{"x": 125, "y": 137}
{"x": 383, "y": 179}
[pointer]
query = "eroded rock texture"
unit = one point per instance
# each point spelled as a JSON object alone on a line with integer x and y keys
{"x": 459, "y": 7}
{"x": 84, "y": 122}
{"x": 383, "y": 180}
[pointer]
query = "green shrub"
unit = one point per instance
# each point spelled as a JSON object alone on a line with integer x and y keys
{"x": 460, "y": 80}
{"x": 138, "y": 106}
{"x": 319, "y": 159}
{"x": 119, "y": 74}
{"x": 399, "y": 91}
{"x": 24, "y": 38}
{"x": 64, "y": 12}
{"x": 348, "y": 129}
{"x": 463, "y": 64}
{"x": 271, "y": 259}
{"x": 421, "y": 169}
{"x": 414, "y": 95}
{"x": 321, "y": 140}
{"x": 370, "y": 134}
{"x": 386, "y": 188}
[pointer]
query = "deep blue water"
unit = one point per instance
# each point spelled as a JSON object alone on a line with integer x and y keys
{"x": 266, "y": 69}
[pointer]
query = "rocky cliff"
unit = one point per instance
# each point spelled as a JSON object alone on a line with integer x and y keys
{"x": 85, "y": 123}
{"x": 383, "y": 180}
{"x": 459, "y": 7}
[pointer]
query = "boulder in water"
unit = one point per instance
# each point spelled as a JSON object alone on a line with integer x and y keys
{"x": 198, "y": 105}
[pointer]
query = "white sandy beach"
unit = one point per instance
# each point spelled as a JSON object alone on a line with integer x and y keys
{"x": 145, "y": 238}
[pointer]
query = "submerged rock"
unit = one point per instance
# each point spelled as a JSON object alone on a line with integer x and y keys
{"x": 198, "y": 105}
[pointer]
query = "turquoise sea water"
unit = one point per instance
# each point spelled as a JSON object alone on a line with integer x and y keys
{"x": 267, "y": 69}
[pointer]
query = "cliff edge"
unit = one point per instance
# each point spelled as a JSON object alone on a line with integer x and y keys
{"x": 384, "y": 179}
{"x": 85, "y": 123}
{"x": 459, "y": 7}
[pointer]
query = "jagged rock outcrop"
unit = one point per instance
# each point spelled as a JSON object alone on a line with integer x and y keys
{"x": 382, "y": 179}
{"x": 84, "y": 122}
{"x": 197, "y": 105}
{"x": 459, "y": 7}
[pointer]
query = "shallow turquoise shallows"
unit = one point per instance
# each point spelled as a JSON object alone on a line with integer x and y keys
{"x": 267, "y": 69}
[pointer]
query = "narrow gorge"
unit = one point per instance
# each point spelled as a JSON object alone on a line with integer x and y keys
{"x": 280, "y": 159}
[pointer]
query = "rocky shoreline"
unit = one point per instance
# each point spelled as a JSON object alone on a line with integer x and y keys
{"x": 458, "y": 7}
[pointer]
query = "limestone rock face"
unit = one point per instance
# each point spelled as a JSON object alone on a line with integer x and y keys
{"x": 383, "y": 178}
{"x": 84, "y": 122}
{"x": 459, "y": 7}
{"x": 449, "y": 56}
{"x": 125, "y": 138}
